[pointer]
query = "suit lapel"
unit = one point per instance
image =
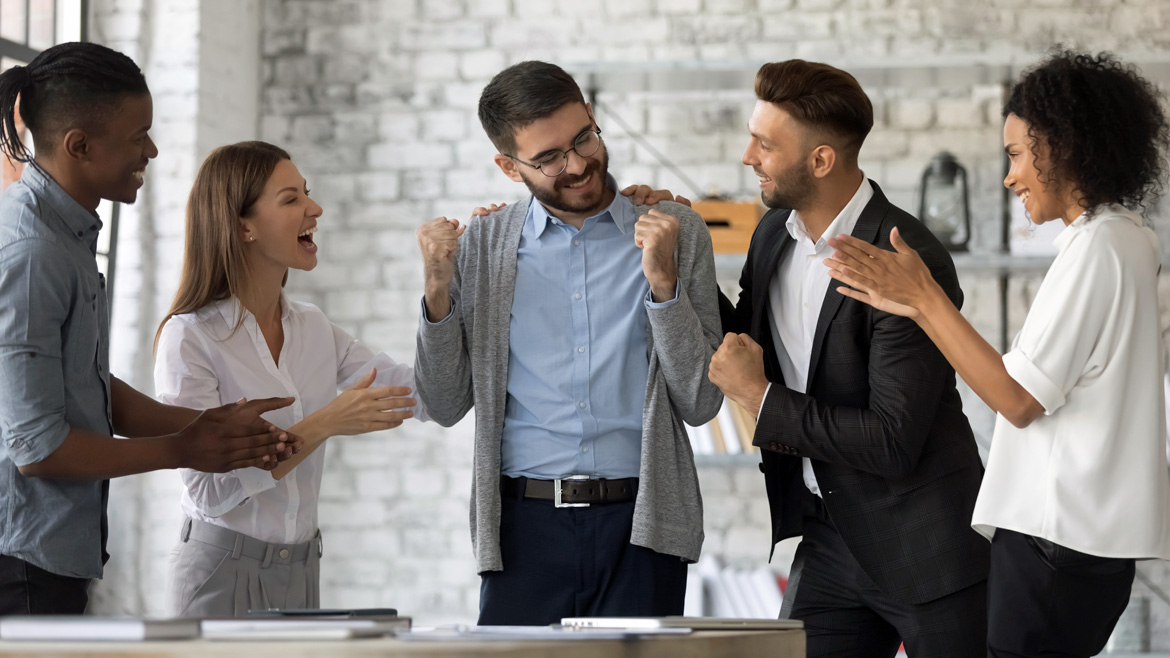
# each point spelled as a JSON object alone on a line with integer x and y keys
{"x": 778, "y": 243}
{"x": 866, "y": 229}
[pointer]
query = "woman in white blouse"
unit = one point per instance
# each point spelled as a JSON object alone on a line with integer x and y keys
{"x": 1076, "y": 486}
{"x": 250, "y": 540}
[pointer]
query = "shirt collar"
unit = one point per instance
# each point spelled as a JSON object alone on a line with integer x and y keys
{"x": 231, "y": 310}
{"x": 1111, "y": 209}
{"x": 78, "y": 220}
{"x": 621, "y": 211}
{"x": 842, "y": 223}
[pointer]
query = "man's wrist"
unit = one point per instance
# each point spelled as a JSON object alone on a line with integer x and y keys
{"x": 664, "y": 289}
{"x": 171, "y": 451}
{"x": 437, "y": 301}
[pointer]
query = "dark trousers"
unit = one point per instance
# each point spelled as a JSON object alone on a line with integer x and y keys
{"x": 29, "y": 590}
{"x": 1048, "y": 600}
{"x": 576, "y": 562}
{"x": 846, "y": 614}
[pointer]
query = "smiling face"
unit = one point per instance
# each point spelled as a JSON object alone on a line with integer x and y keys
{"x": 777, "y": 155}
{"x": 1029, "y": 175}
{"x": 117, "y": 155}
{"x": 279, "y": 228}
{"x": 580, "y": 189}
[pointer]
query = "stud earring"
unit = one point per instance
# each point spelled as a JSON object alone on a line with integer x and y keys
{"x": 251, "y": 238}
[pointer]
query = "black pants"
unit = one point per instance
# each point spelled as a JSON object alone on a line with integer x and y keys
{"x": 1048, "y": 600}
{"x": 576, "y": 562}
{"x": 845, "y": 614}
{"x": 29, "y": 590}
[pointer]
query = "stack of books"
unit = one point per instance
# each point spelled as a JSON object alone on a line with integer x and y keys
{"x": 730, "y": 433}
{"x": 722, "y": 591}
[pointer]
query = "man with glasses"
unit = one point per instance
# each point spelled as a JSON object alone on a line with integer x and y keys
{"x": 580, "y": 326}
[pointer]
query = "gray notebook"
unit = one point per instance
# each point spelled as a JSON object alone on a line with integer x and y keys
{"x": 68, "y": 628}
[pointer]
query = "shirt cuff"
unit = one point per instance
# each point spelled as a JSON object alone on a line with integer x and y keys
{"x": 1034, "y": 381}
{"x": 253, "y": 481}
{"x": 650, "y": 303}
{"x": 23, "y": 452}
{"x": 761, "y": 411}
{"x": 426, "y": 320}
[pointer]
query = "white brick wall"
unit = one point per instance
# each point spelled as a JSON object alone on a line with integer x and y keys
{"x": 375, "y": 100}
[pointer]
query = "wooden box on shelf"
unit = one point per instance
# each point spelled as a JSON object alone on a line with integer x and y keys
{"x": 731, "y": 223}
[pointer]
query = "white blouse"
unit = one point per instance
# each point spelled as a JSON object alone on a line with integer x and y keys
{"x": 201, "y": 364}
{"x": 1090, "y": 474}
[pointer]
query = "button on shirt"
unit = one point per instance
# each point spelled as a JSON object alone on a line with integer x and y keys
{"x": 201, "y": 364}
{"x": 578, "y": 348}
{"x": 1090, "y": 474}
{"x": 796, "y": 294}
{"x": 54, "y": 374}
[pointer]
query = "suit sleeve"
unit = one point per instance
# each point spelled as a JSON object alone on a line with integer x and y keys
{"x": 906, "y": 379}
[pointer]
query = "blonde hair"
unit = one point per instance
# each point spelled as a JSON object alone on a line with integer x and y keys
{"x": 228, "y": 184}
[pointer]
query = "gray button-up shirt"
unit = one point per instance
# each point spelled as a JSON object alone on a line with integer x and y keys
{"x": 54, "y": 374}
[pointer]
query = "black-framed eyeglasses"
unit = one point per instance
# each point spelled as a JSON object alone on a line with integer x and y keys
{"x": 554, "y": 163}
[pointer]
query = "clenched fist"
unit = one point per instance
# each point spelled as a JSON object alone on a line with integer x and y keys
{"x": 737, "y": 368}
{"x": 656, "y": 234}
{"x": 438, "y": 240}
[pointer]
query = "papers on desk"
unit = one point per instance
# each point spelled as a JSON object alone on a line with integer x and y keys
{"x": 112, "y": 629}
{"x": 71, "y": 628}
{"x": 300, "y": 628}
{"x": 513, "y": 633}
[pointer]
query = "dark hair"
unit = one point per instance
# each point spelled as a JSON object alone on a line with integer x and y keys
{"x": 521, "y": 94}
{"x": 1103, "y": 123}
{"x": 68, "y": 85}
{"x": 819, "y": 96}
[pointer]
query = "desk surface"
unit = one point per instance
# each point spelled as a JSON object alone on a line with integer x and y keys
{"x": 705, "y": 644}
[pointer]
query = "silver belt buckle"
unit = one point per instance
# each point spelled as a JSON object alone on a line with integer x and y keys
{"x": 557, "y": 491}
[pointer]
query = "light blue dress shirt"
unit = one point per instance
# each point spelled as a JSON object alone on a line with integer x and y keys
{"x": 54, "y": 374}
{"x": 578, "y": 348}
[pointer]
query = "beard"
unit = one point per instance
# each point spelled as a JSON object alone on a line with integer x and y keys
{"x": 790, "y": 189}
{"x": 556, "y": 198}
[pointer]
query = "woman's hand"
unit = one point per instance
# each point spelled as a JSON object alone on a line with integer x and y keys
{"x": 360, "y": 408}
{"x": 894, "y": 282}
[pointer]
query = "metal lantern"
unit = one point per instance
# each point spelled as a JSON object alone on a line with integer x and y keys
{"x": 942, "y": 203}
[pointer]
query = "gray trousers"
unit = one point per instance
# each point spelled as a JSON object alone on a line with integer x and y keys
{"x": 216, "y": 572}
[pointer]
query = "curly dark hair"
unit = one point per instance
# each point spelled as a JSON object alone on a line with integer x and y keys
{"x": 1103, "y": 124}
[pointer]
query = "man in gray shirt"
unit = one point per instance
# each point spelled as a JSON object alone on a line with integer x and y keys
{"x": 579, "y": 326}
{"x": 89, "y": 110}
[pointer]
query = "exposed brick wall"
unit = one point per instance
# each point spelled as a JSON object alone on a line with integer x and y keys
{"x": 375, "y": 100}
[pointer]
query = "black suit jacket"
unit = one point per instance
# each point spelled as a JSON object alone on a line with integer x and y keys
{"x": 882, "y": 422}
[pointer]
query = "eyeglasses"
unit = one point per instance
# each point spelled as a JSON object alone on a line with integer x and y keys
{"x": 554, "y": 163}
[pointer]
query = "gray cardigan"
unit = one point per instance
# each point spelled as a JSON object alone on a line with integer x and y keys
{"x": 462, "y": 361}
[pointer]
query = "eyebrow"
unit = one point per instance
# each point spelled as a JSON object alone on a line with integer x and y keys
{"x": 290, "y": 188}
{"x": 575, "y": 138}
{"x": 1009, "y": 147}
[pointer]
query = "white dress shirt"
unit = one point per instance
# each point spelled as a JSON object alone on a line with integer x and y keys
{"x": 1090, "y": 474}
{"x": 202, "y": 364}
{"x": 796, "y": 294}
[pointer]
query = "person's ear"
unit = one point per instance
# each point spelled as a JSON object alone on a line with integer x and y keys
{"x": 75, "y": 144}
{"x": 822, "y": 160}
{"x": 509, "y": 167}
{"x": 246, "y": 232}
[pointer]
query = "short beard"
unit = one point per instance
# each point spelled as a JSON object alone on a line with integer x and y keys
{"x": 791, "y": 189}
{"x": 554, "y": 200}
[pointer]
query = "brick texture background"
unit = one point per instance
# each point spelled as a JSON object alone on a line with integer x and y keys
{"x": 375, "y": 100}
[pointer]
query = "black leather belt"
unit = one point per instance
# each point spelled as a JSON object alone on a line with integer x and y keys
{"x": 572, "y": 491}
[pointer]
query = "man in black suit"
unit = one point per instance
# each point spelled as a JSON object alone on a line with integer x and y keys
{"x": 866, "y": 451}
